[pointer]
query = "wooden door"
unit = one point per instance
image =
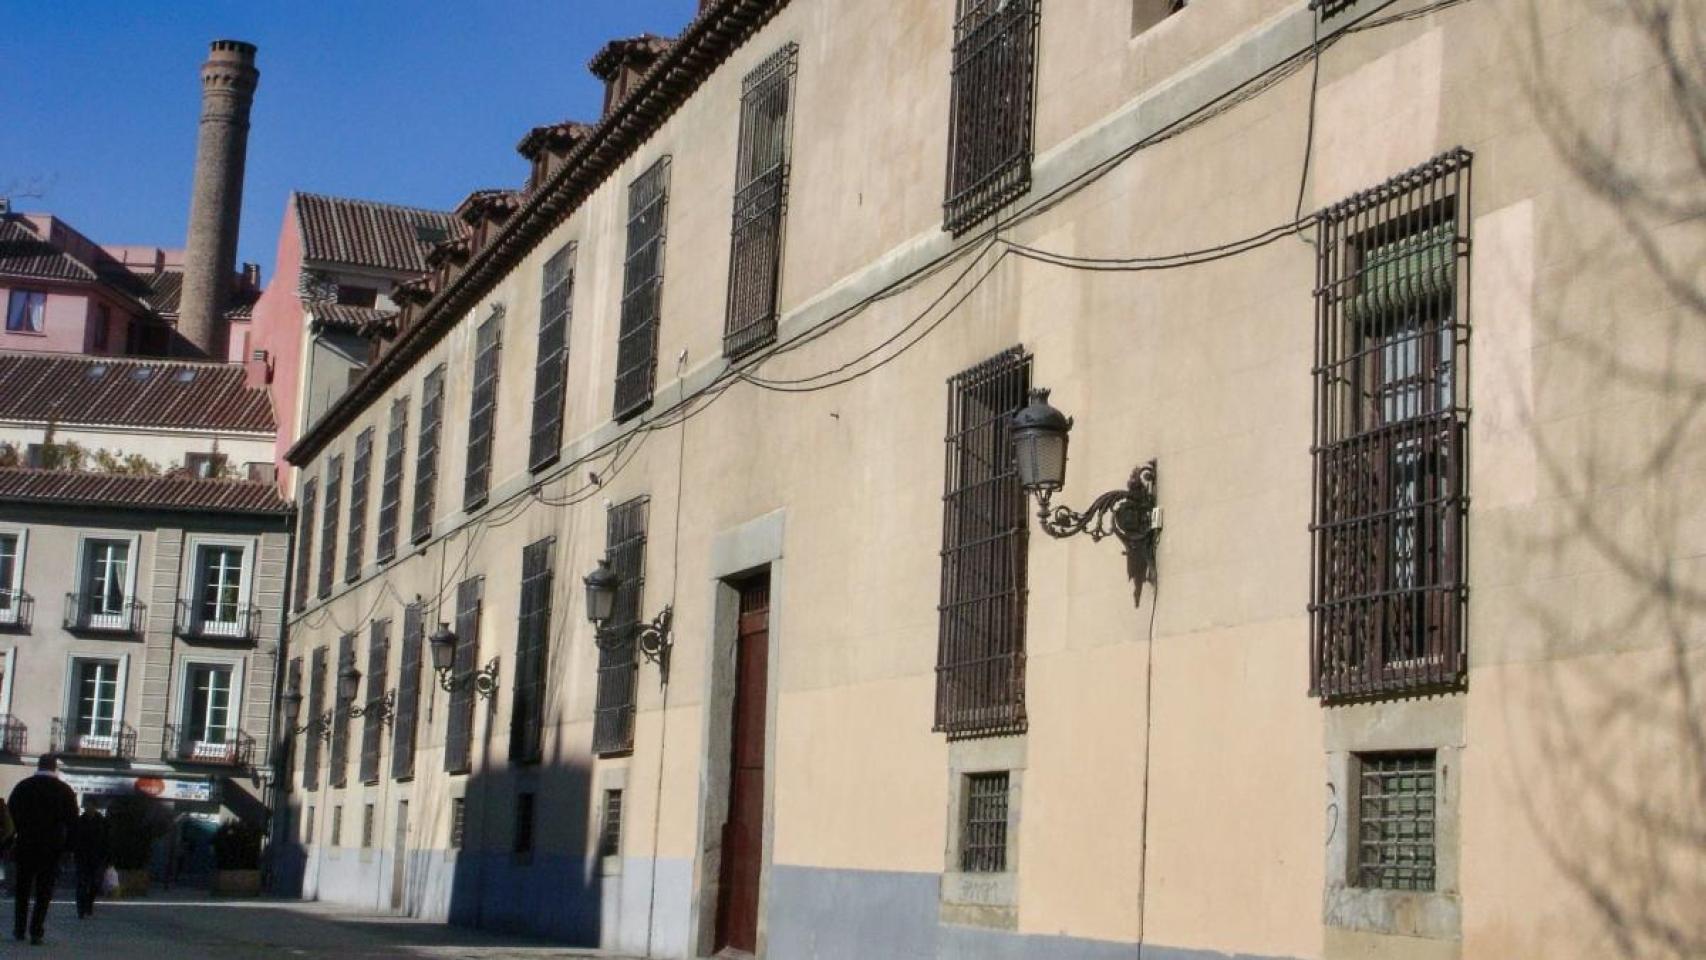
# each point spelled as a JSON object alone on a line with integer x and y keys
{"x": 400, "y": 856}
{"x": 743, "y": 833}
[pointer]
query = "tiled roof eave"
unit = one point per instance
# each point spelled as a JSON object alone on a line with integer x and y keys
{"x": 702, "y": 47}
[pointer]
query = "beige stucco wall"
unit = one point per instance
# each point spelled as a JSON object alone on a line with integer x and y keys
{"x": 1187, "y": 807}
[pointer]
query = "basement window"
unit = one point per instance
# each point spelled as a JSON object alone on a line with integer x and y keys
{"x": 983, "y": 832}
{"x": 1397, "y": 803}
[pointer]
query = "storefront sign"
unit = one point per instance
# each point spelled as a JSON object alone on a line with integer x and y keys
{"x": 113, "y": 785}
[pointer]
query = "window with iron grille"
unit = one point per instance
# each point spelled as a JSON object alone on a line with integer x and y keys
{"x": 483, "y": 411}
{"x": 287, "y": 739}
{"x": 1391, "y": 403}
{"x": 339, "y": 774}
{"x": 367, "y": 825}
{"x": 305, "y": 541}
{"x": 316, "y": 706}
{"x": 551, "y": 365}
{"x": 308, "y": 827}
{"x": 992, "y": 111}
{"x": 426, "y": 454}
{"x": 1397, "y": 803}
{"x": 372, "y": 721}
{"x": 1331, "y": 8}
{"x": 610, "y": 830}
{"x": 761, "y": 199}
{"x": 458, "y": 823}
{"x": 642, "y": 291}
{"x": 983, "y": 831}
{"x": 329, "y": 525}
{"x": 338, "y": 825}
{"x": 408, "y": 709}
{"x": 391, "y": 487}
{"x": 618, "y": 666}
{"x": 360, "y": 474}
{"x": 980, "y": 656}
{"x": 523, "y": 823}
{"x": 533, "y": 634}
{"x": 459, "y": 738}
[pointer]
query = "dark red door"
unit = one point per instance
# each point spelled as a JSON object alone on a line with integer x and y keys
{"x": 743, "y": 834}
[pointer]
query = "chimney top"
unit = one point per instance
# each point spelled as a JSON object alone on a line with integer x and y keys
{"x": 233, "y": 50}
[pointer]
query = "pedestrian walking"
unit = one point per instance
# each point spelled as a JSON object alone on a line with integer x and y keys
{"x": 93, "y": 852}
{"x": 44, "y": 810}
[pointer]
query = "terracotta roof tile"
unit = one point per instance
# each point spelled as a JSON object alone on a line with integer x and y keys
{"x": 67, "y": 388}
{"x": 369, "y": 234}
{"x": 164, "y": 493}
{"x": 24, "y": 254}
{"x": 348, "y": 319}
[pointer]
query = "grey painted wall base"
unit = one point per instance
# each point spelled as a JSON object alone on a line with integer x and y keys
{"x": 822, "y": 914}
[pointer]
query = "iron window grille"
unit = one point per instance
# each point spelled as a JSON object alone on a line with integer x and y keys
{"x": 483, "y": 412}
{"x": 983, "y": 832}
{"x": 329, "y": 526}
{"x": 339, "y": 775}
{"x": 642, "y": 291}
{"x": 459, "y": 738}
{"x": 550, "y": 369}
{"x": 366, "y": 825}
{"x": 292, "y": 681}
{"x": 618, "y": 664}
{"x": 523, "y": 823}
{"x": 993, "y": 106}
{"x": 533, "y": 634}
{"x": 391, "y": 486}
{"x": 1397, "y": 810}
{"x": 1330, "y": 8}
{"x": 761, "y": 199}
{"x": 308, "y": 827}
{"x": 338, "y": 825}
{"x": 373, "y": 717}
{"x": 980, "y": 658}
{"x": 426, "y": 454}
{"x": 1391, "y": 414}
{"x": 305, "y": 541}
{"x": 610, "y": 830}
{"x": 360, "y": 474}
{"x": 458, "y": 822}
{"x": 316, "y": 708}
{"x": 403, "y": 728}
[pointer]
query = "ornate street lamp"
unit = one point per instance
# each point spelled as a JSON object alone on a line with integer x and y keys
{"x": 349, "y": 683}
{"x": 654, "y": 640}
{"x": 292, "y": 703}
{"x": 483, "y": 680}
{"x": 1039, "y": 445}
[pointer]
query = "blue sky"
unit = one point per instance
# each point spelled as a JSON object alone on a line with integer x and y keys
{"x": 413, "y": 102}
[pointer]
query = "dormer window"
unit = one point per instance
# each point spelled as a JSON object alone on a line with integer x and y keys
{"x": 622, "y": 63}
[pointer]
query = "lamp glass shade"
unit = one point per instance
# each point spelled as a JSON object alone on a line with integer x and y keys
{"x": 349, "y": 682}
{"x": 601, "y": 587}
{"x": 1039, "y": 444}
{"x": 292, "y": 701}
{"x": 443, "y": 648}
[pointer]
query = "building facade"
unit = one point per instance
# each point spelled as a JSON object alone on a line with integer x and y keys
{"x": 141, "y": 621}
{"x": 1396, "y": 663}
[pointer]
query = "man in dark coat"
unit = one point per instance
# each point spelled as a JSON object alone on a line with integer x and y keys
{"x": 93, "y": 851}
{"x": 44, "y": 810}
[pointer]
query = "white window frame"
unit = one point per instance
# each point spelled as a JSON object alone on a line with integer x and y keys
{"x": 11, "y": 658}
{"x": 134, "y": 557}
{"x": 210, "y": 752}
{"x": 73, "y": 694}
{"x": 189, "y": 583}
{"x": 9, "y": 614}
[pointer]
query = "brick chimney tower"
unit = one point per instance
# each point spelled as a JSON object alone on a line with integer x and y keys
{"x": 228, "y": 80}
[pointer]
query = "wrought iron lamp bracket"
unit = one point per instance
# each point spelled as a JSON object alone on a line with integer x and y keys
{"x": 1127, "y": 515}
{"x": 483, "y": 680}
{"x": 323, "y": 723}
{"x": 654, "y": 640}
{"x": 383, "y": 708}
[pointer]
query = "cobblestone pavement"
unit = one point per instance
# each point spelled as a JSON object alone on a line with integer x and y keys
{"x": 181, "y": 927}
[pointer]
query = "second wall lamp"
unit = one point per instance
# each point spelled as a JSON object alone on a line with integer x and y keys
{"x": 484, "y": 680}
{"x": 654, "y": 640}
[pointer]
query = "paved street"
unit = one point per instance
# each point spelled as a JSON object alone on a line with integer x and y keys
{"x": 184, "y": 928}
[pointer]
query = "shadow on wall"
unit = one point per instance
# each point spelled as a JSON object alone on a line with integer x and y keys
{"x": 1609, "y": 750}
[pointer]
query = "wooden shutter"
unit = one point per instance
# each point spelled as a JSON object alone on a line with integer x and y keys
{"x": 287, "y": 736}
{"x": 527, "y": 707}
{"x": 980, "y": 659}
{"x": 483, "y": 412}
{"x": 618, "y": 666}
{"x": 375, "y": 683}
{"x": 316, "y": 708}
{"x": 305, "y": 542}
{"x": 555, "y": 305}
{"x": 642, "y": 291}
{"x": 426, "y": 454}
{"x": 403, "y": 727}
{"x": 391, "y": 488}
{"x": 329, "y": 525}
{"x": 360, "y": 479}
{"x": 458, "y": 741}
{"x": 761, "y": 192}
{"x": 340, "y": 717}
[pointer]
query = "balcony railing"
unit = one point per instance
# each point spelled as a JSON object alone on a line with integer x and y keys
{"x": 233, "y": 624}
{"x": 87, "y": 614}
{"x": 120, "y": 744}
{"x": 232, "y": 748}
{"x": 14, "y": 736}
{"x": 17, "y": 611}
